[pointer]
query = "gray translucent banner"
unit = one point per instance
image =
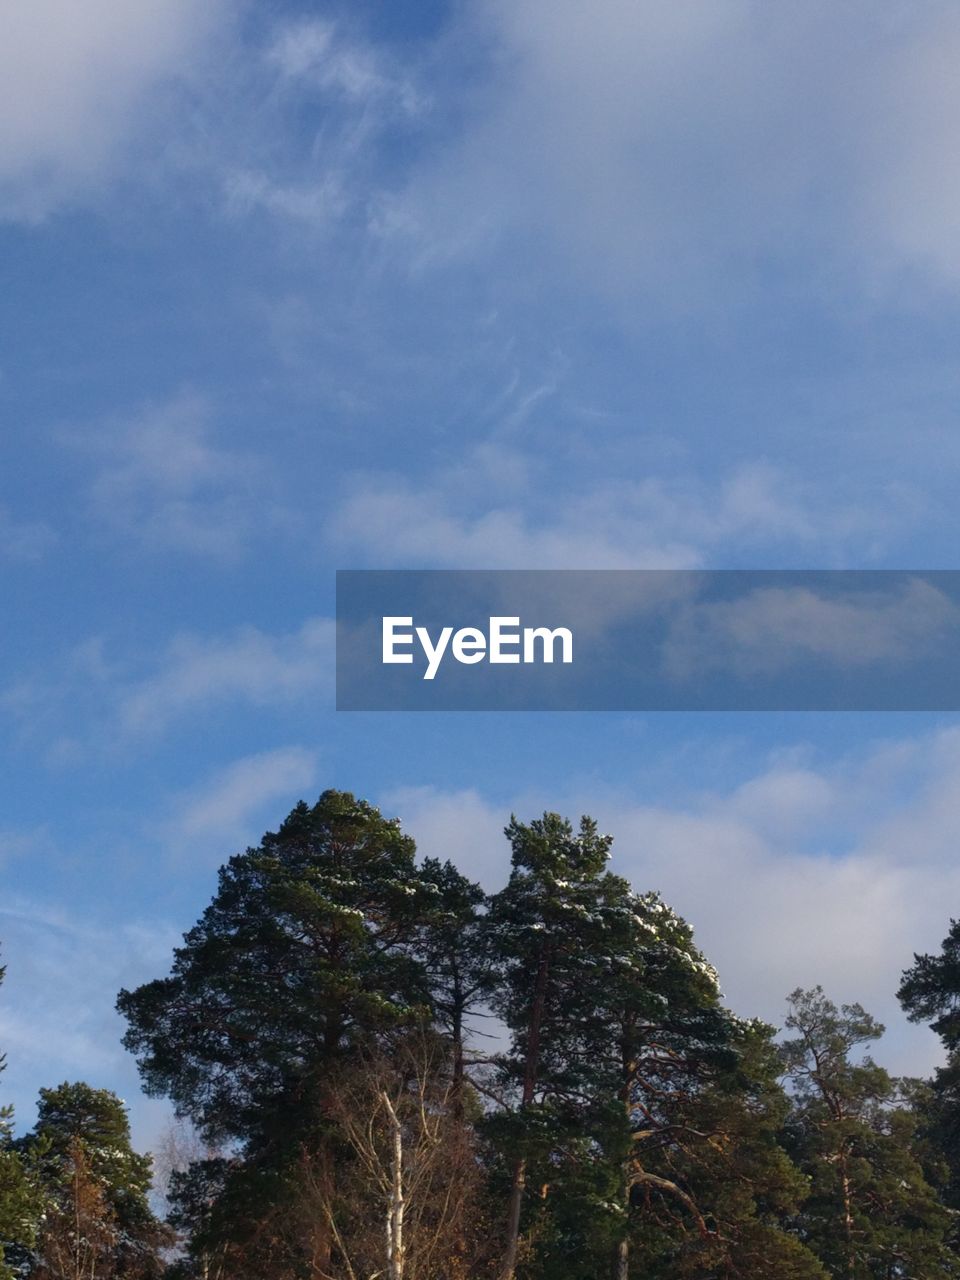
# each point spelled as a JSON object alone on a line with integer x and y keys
{"x": 648, "y": 640}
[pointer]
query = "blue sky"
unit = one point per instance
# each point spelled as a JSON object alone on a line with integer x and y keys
{"x": 287, "y": 287}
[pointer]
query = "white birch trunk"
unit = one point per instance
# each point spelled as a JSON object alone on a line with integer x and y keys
{"x": 623, "y": 1260}
{"x": 395, "y": 1248}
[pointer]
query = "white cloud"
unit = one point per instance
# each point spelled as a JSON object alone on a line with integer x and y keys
{"x": 300, "y": 48}
{"x": 300, "y": 134}
{"x": 401, "y": 524}
{"x": 98, "y": 699}
{"x": 223, "y": 808}
{"x": 314, "y": 203}
{"x": 681, "y": 148}
{"x": 164, "y": 481}
{"x": 910, "y": 177}
{"x": 316, "y": 54}
{"x": 772, "y": 628}
{"x": 76, "y": 86}
{"x": 250, "y": 666}
{"x": 483, "y": 514}
{"x": 670, "y": 145}
{"x": 459, "y": 826}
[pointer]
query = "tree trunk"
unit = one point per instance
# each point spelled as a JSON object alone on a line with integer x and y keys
{"x": 623, "y": 1260}
{"x": 530, "y": 1071}
{"x": 456, "y": 1097}
{"x": 458, "y": 1267}
{"x": 396, "y": 1206}
{"x": 513, "y": 1220}
{"x": 627, "y": 1067}
{"x": 847, "y": 1213}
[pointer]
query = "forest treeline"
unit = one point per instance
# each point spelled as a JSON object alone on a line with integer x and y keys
{"x": 394, "y": 1076}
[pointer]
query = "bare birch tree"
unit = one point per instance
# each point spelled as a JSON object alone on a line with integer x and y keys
{"x": 407, "y": 1149}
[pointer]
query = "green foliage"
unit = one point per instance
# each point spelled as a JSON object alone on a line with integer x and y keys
{"x": 322, "y": 945}
{"x": 449, "y": 943}
{"x": 547, "y": 934}
{"x": 631, "y": 1126}
{"x": 303, "y": 953}
{"x": 870, "y": 1212}
{"x": 930, "y": 992}
{"x": 98, "y": 1119}
{"x": 710, "y": 1185}
{"x": 82, "y": 1161}
{"x": 21, "y": 1203}
{"x": 645, "y": 1115}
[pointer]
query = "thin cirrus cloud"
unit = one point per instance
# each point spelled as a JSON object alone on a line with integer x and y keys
{"x": 163, "y": 481}
{"x": 315, "y": 54}
{"x": 78, "y": 86}
{"x": 57, "y": 1020}
{"x": 221, "y": 812}
{"x": 470, "y": 516}
{"x": 97, "y": 698}
{"x": 323, "y": 174}
{"x": 250, "y": 666}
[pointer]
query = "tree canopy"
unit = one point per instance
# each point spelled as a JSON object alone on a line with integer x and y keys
{"x": 393, "y": 1073}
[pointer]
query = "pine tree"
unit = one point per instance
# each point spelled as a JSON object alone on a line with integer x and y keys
{"x": 20, "y": 1203}
{"x": 709, "y": 1187}
{"x": 644, "y": 1117}
{"x": 689, "y": 1175}
{"x": 542, "y": 931}
{"x": 195, "y": 1196}
{"x": 449, "y": 947}
{"x": 97, "y": 1220}
{"x": 303, "y": 952}
{"x": 80, "y": 1236}
{"x": 871, "y": 1213}
{"x": 20, "y": 1200}
{"x": 308, "y": 955}
{"x": 930, "y": 992}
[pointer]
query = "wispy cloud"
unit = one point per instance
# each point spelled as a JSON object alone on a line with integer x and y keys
{"x": 220, "y": 811}
{"x": 319, "y": 109}
{"x": 683, "y": 149}
{"x": 494, "y": 510}
{"x": 772, "y": 628}
{"x": 317, "y": 203}
{"x": 249, "y": 666}
{"x": 164, "y": 481}
{"x": 96, "y": 699}
{"x": 315, "y": 54}
{"x": 57, "y": 1019}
